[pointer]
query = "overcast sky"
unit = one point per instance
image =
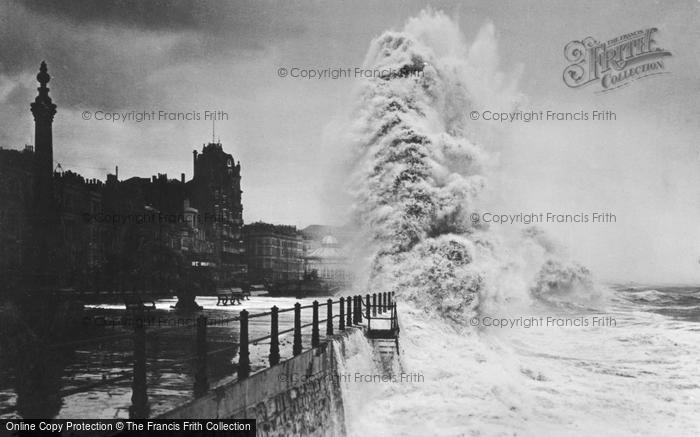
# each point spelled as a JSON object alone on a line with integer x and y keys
{"x": 211, "y": 55}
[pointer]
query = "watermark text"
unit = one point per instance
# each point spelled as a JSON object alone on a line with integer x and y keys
{"x": 597, "y": 321}
{"x": 528, "y": 218}
{"x": 155, "y": 115}
{"x": 543, "y": 115}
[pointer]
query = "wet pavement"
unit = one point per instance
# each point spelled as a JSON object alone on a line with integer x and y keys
{"x": 91, "y": 378}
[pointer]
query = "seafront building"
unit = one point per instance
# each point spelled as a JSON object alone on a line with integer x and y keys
{"x": 60, "y": 230}
{"x": 275, "y": 253}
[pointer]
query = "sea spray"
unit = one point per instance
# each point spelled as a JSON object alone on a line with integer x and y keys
{"x": 416, "y": 176}
{"x": 418, "y": 173}
{"x": 354, "y": 356}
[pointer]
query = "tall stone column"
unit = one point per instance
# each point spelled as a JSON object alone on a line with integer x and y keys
{"x": 44, "y": 211}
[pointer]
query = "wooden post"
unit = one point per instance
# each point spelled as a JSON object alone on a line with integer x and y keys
{"x": 329, "y": 317}
{"x": 274, "y": 337}
{"x": 296, "y": 348}
{"x": 315, "y": 341}
{"x": 367, "y": 307}
{"x": 139, "y": 408}
{"x": 341, "y": 323}
{"x": 243, "y": 351}
{"x": 349, "y": 312}
{"x": 201, "y": 384}
{"x": 374, "y": 304}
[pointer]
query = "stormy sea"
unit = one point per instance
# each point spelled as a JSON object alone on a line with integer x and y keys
{"x": 510, "y": 335}
{"x": 635, "y": 374}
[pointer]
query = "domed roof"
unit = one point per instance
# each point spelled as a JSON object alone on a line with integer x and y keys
{"x": 329, "y": 250}
{"x": 329, "y": 240}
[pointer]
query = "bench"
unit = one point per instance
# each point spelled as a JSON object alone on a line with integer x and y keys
{"x": 237, "y": 295}
{"x": 258, "y": 290}
{"x": 222, "y": 297}
{"x": 234, "y": 296}
{"x": 136, "y": 302}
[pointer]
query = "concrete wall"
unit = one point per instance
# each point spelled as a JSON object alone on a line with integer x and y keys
{"x": 299, "y": 397}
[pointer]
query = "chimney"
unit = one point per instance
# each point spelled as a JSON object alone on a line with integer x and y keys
{"x": 182, "y": 178}
{"x": 194, "y": 164}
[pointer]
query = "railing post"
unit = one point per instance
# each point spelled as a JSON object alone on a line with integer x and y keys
{"x": 395, "y": 316}
{"x": 329, "y": 317}
{"x": 296, "y": 348}
{"x": 315, "y": 341}
{"x": 374, "y": 304}
{"x": 359, "y": 309}
{"x": 201, "y": 385}
{"x": 139, "y": 408}
{"x": 367, "y": 307}
{"x": 349, "y": 312}
{"x": 341, "y": 323}
{"x": 243, "y": 351}
{"x": 354, "y": 310}
{"x": 391, "y": 316}
{"x": 389, "y": 299}
{"x": 385, "y": 302}
{"x": 274, "y": 337}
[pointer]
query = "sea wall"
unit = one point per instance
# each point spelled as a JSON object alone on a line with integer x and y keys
{"x": 299, "y": 397}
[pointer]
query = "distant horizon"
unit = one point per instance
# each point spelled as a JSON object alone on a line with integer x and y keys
{"x": 650, "y": 285}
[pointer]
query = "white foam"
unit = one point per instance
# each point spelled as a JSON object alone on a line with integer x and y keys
{"x": 420, "y": 167}
{"x": 637, "y": 379}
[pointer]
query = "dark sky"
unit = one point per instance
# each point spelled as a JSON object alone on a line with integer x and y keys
{"x": 185, "y": 56}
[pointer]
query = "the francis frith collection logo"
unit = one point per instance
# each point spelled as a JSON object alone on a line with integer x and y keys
{"x": 615, "y": 63}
